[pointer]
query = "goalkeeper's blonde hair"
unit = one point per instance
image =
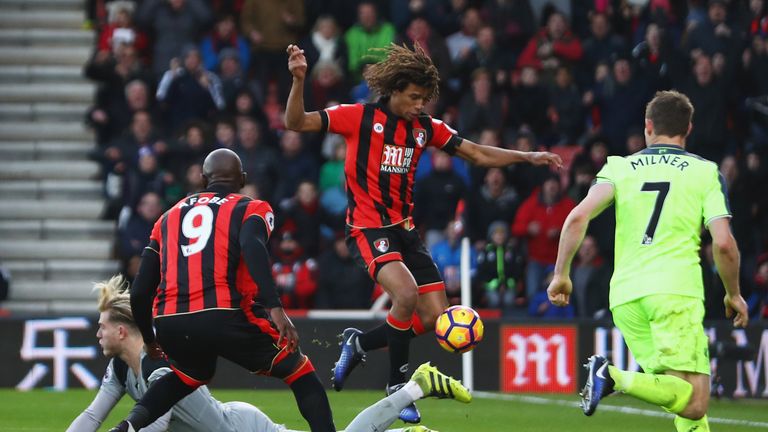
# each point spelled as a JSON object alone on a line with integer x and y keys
{"x": 115, "y": 298}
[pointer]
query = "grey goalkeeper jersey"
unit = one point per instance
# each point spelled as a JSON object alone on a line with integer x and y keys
{"x": 198, "y": 412}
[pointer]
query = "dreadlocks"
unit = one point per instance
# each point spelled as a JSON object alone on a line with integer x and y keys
{"x": 115, "y": 298}
{"x": 402, "y": 67}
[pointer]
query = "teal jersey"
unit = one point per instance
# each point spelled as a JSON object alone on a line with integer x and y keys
{"x": 662, "y": 196}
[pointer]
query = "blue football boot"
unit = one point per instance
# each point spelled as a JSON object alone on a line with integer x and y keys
{"x": 599, "y": 384}
{"x": 350, "y": 357}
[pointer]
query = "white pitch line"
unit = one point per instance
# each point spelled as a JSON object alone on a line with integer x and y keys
{"x": 604, "y": 407}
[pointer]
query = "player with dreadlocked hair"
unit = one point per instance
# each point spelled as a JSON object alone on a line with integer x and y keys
{"x": 402, "y": 67}
{"x": 384, "y": 143}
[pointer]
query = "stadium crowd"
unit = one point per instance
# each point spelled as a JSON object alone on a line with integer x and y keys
{"x": 179, "y": 78}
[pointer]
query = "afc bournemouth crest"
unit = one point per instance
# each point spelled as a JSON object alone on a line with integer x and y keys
{"x": 420, "y": 135}
{"x": 381, "y": 245}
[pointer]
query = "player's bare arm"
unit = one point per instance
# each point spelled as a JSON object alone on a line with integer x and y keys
{"x": 600, "y": 196}
{"x": 494, "y": 157}
{"x": 727, "y": 258}
{"x": 295, "y": 117}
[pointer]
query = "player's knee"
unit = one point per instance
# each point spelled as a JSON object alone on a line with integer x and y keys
{"x": 695, "y": 410}
{"x": 405, "y": 299}
{"x": 428, "y": 319}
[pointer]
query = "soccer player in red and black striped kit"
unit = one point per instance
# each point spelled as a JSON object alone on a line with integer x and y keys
{"x": 206, "y": 278}
{"x": 384, "y": 143}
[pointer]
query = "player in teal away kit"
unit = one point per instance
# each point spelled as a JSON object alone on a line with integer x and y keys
{"x": 662, "y": 195}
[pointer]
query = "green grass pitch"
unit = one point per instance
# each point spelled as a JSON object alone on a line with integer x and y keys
{"x": 42, "y": 411}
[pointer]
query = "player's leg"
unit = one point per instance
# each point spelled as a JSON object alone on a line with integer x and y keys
{"x": 665, "y": 334}
{"x": 426, "y": 381}
{"x": 244, "y": 417}
{"x": 694, "y": 416}
{"x": 395, "y": 278}
{"x": 183, "y": 339}
{"x": 379, "y": 251}
{"x": 250, "y": 340}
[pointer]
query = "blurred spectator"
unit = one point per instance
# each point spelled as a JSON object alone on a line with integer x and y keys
{"x": 295, "y": 275}
{"x": 245, "y": 106}
{"x": 447, "y": 256}
{"x": 460, "y": 44}
{"x": 650, "y": 58}
{"x": 224, "y": 36}
{"x": 303, "y": 215}
{"x": 552, "y": 46}
{"x": 591, "y": 277}
{"x": 437, "y": 196}
{"x": 225, "y": 133}
{"x": 595, "y": 153}
{"x": 500, "y": 270}
{"x": 496, "y": 201}
{"x": 326, "y": 83}
{"x": 193, "y": 181}
{"x": 146, "y": 177}
{"x": 369, "y": 32}
{"x": 740, "y": 183}
{"x": 529, "y": 102}
{"x": 191, "y": 148}
{"x": 525, "y": 177}
{"x": 114, "y": 70}
{"x": 341, "y": 284}
{"x": 259, "y": 160}
{"x": 325, "y": 44}
{"x": 566, "y": 112}
{"x": 621, "y": 100}
{"x": 756, "y": 67}
{"x": 539, "y": 221}
{"x": 188, "y": 91}
{"x": 420, "y": 32}
{"x": 111, "y": 117}
{"x": 714, "y": 34}
{"x": 601, "y": 45}
{"x": 513, "y": 23}
{"x": 714, "y": 291}
{"x": 5, "y": 285}
{"x": 122, "y": 153}
{"x": 709, "y": 137}
{"x": 232, "y": 76}
{"x": 758, "y": 301}
{"x": 121, "y": 31}
{"x": 296, "y": 165}
{"x": 174, "y": 24}
{"x": 333, "y": 195}
{"x": 134, "y": 235}
{"x": 270, "y": 25}
{"x": 635, "y": 141}
{"x": 481, "y": 108}
{"x": 485, "y": 54}
{"x": 582, "y": 176}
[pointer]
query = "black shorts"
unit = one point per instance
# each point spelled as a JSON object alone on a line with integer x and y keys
{"x": 374, "y": 247}
{"x": 193, "y": 343}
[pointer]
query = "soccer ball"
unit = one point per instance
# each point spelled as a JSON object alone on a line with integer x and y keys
{"x": 459, "y": 329}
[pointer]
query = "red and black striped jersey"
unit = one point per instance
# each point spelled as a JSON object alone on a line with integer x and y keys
{"x": 198, "y": 241}
{"x": 383, "y": 150}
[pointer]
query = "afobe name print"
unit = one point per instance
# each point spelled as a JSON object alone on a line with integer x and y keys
{"x": 396, "y": 159}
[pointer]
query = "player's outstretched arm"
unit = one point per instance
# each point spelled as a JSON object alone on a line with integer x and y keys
{"x": 726, "y": 254}
{"x": 295, "y": 117}
{"x": 600, "y": 196}
{"x": 90, "y": 419}
{"x": 490, "y": 157}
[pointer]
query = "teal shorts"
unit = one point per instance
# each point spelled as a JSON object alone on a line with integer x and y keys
{"x": 665, "y": 332}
